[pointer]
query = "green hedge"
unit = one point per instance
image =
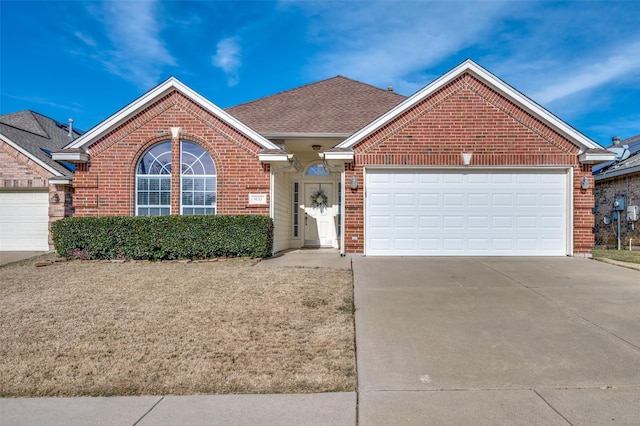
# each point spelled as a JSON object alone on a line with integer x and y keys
{"x": 163, "y": 237}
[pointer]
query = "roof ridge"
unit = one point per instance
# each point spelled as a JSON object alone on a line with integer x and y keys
{"x": 304, "y": 86}
{"x": 35, "y": 128}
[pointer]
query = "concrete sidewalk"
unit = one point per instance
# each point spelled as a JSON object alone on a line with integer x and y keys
{"x": 16, "y": 256}
{"x": 329, "y": 409}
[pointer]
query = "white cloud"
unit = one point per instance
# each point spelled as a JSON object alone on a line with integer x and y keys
{"x": 395, "y": 42}
{"x": 137, "y": 51}
{"x": 228, "y": 58}
{"x": 88, "y": 40}
{"x": 588, "y": 76}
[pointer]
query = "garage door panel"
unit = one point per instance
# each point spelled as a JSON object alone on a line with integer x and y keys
{"x": 24, "y": 221}
{"x": 405, "y": 222}
{"x": 429, "y": 222}
{"x": 405, "y": 200}
{"x": 429, "y": 200}
{"x": 462, "y": 213}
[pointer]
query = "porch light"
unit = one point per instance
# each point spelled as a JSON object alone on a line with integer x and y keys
{"x": 584, "y": 182}
{"x": 354, "y": 182}
{"x": 316, "y": 147}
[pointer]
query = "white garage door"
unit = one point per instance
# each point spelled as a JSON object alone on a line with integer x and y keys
{"x": 466, "y": 213}
{"x": 24, "y": 220}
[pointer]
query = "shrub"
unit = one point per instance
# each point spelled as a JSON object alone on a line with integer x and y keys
{"x": 163, "y": 237}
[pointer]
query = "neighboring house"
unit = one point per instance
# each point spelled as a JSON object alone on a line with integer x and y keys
{"x": 618, "y": 180}
{"x": 34, "y": 189}
{"x": 466, "y": 166}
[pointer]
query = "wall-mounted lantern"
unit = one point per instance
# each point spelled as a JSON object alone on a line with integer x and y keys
{"x": 354, "y": 182}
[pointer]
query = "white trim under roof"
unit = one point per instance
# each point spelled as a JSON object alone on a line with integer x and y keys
{"x": 30, "y": 156}
{"x": 86, "y": 139}
{"x": 491, "y": 80}
{"x": 337, "y": 155}
{"x": 60, "y": 181}
{"x": 596, "y": 157}
{"x": 275, "y": 157}
{"x": 74, "y": 156}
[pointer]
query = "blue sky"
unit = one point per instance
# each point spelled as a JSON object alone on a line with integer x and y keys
{"x": 86, "y": 60}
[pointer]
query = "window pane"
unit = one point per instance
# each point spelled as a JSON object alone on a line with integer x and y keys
{"x": 143, "y": 184}
{"x": 143, "y": 198}
{"x": 165, "y": 198}
{"x": 198, "y": 180}
{"x": 156, "y": 161}
{"x": 195, "y": 160}
{"x": 317, "y": 170}
{"x": 210, "y": 184}
{"x": 154, "y": 184}
{"x": 165, "y": 184}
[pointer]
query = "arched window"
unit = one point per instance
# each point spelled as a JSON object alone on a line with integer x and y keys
{"x": 153, "y": 181}
{"x": 317, "y": 170}
{"x": 197, "y": 181}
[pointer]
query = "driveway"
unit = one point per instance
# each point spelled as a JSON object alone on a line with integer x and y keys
{"x": 497, "y": 341}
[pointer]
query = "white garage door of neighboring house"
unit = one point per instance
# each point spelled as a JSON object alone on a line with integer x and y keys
{"x": 466, "y": 213}
{"x": 24, "y": 221}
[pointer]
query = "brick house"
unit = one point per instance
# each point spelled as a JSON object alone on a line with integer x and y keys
{"x": 466, "y": 166}
{"x": 618, "y": 180}
{"x": 34, "y": 189}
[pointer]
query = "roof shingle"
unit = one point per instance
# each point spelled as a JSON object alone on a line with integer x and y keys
{"x": 337, "y": 105}
{"x": 36, "y": 133}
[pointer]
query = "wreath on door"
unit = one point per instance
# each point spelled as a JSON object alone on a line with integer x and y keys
{"x": 319, "y": 200}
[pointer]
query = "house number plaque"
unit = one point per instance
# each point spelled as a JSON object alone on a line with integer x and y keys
{"x": 257, "y": 198}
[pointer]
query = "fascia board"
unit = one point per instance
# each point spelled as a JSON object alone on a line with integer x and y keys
{"x": 596, "y": 158}
{"x": 162, "y": 89}
{"x": 71, "y": 157}
{"x": 275, "y": 158}
{"x": 485, "y": 76}
{"x": 30, "y": 156}
{"x": 60, "y": 181}
{"x": 346, "y": 156}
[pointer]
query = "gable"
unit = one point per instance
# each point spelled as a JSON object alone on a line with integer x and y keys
{"x": 467, "y": 114}
{"x": 151, "y": 103}
{"x": 172, "y": 112}
{"x": 477, "y": 82}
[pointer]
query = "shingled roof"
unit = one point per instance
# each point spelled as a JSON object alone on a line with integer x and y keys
{"x": 337, "y": 105}
{"x": 37, "y": 134}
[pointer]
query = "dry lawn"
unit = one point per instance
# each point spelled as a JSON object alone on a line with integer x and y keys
{"x": 89, "y": 328}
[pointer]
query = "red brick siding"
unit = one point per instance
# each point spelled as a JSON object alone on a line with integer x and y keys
{"x": 467, "y": 116}
{"x": 106, "y": 185}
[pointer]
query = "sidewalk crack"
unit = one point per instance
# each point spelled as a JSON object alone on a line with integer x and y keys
{"x": 149, "y": 410}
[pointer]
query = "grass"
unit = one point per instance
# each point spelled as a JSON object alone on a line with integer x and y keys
{"x": 619, "y": 255}
{"x": 91, "y": 328}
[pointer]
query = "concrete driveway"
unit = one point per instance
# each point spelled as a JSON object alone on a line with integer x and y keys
{"x": 486, "y": 341}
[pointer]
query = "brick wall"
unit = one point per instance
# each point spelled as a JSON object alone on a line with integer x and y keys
{"x": 105, "y": 186}
{"x": 467, "y": 116}
{"x": 20, "y": 172}
{"x": 605, "y": 191}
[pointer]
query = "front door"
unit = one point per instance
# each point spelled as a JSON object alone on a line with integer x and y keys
{"x": 320, "y": 211}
